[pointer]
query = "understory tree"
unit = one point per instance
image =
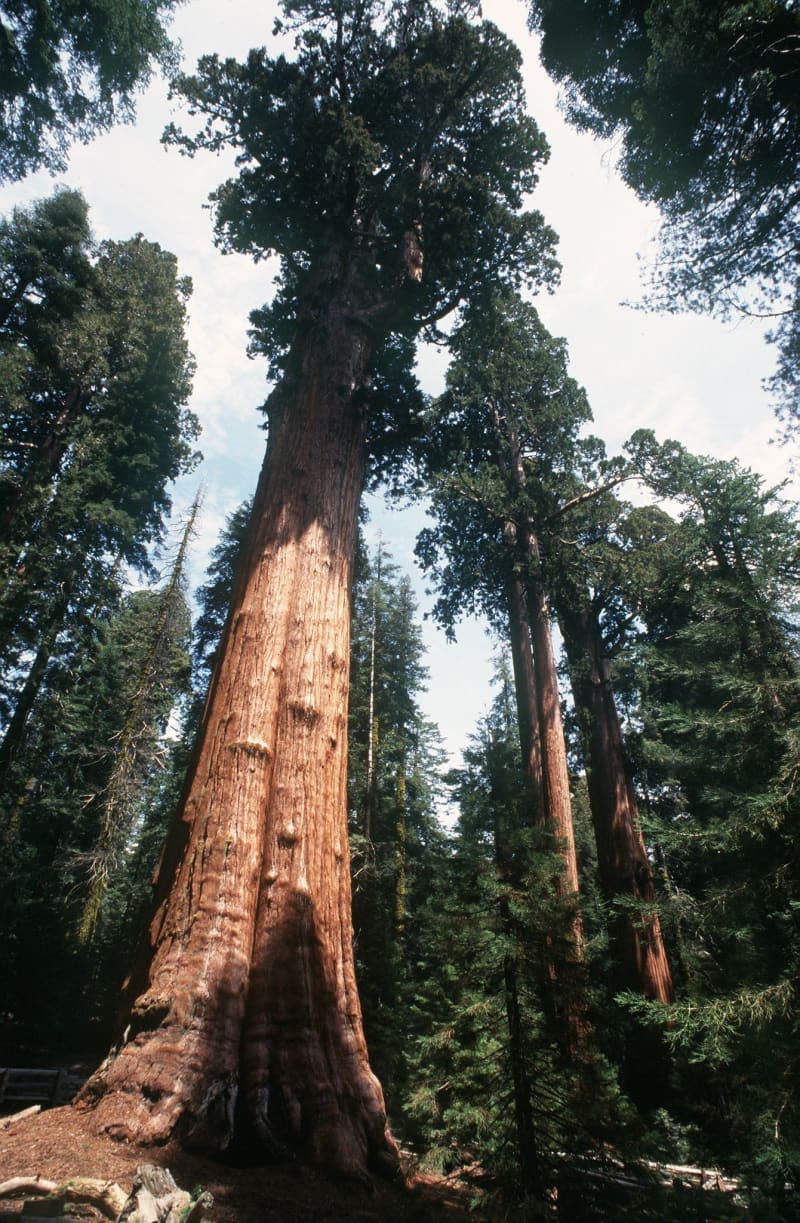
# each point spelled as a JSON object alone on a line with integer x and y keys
{"x": 398, "y": 847}
{"x": 489, "y": 1086}
{"x": 386, "y": 165}
{"x": 89, "y": 773}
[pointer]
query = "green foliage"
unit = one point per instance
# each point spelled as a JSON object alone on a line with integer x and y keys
{"x": 508, "y": 386}
{"x": 386, "y": 164}
{"x": 397, "y": 845}
{"x": 136, "y": 748}
{"x": 719, "y": 752}
{"x": 93, "y": 420}
{"x": 494, "y": 1090}
{"x": 68, "y": 71}
{"x": 702, "y": 98}
{"x": 58, "y": 824}
{"x": 214, "y": 596}
{"x": 94, "y": 379}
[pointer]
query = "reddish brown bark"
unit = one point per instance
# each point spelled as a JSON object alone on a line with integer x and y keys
{"x": 519, "y": 631}
{"x": 543, "y": 746}
{"x": 545, "y": 762}
{"x": 624, "y": 866}
{"x": 250, "y": 991}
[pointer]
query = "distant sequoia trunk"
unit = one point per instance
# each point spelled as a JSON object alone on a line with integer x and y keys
{"x": 543, "y": 746}
{"x": 244, "y": 1008}
{"x": 546, "y": 763}
{"x": 625, "y": 871}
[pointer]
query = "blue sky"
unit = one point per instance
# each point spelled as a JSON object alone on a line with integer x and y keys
{"x": 688, "y": 377}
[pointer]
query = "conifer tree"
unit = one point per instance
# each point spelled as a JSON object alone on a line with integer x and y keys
{"x": 136, "y": 748}
{"x": 720, "y": 710}
{"x": 94, "y": 425}
{"x": 385, "y": 164}
{"x": 67, "y": 73}
{"x": 519, "y": 498}
{"x": 490, "y": 1085}
{"x": 511, "y": 413}
{"x": 396, "y": 842}
{"x": 58, "y": 822}
{"x": 593, "y": 572}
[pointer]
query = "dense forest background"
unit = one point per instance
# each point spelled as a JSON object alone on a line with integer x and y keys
{"x": 576, "y": 944}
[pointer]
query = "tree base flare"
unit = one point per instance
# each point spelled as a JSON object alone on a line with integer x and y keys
{"x": 348, "y": 1141}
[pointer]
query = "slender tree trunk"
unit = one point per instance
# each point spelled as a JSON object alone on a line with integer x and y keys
{"x": 568, "y": 959}
{"x": 625, "y": 869}
{"x": 555, "y": 769}
{"x": 250, "y": 991}
{"x": 14, "y": 736}
{"x": 32, "y": 490}
{"x": 370, "y": 796}
{"x": 545, "y": 762}
{"x": 527, "y": 1152}
{"x": 519, "y": 631}
{"x": 524, "y": 1121}
{"x": 401, "y": 856}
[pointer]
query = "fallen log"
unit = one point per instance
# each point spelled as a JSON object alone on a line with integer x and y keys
{"x": 105, "y": 1196}
{"x": 154, "y": 1198}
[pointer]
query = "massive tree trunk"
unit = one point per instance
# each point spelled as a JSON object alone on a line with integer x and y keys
{"x": 249, "y": 1006}
{"x": 625, "y": 870}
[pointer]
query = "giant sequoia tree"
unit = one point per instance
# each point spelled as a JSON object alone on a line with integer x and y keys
{"x": 518, "y": 498}
{"x": 500, "y": 448}
{"x": 385, "y": 164}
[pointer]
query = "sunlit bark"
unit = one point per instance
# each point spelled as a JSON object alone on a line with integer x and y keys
{"x": 247, "y": 1005}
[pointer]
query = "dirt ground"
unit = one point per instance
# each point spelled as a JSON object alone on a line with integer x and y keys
{"x": 58, "y": 1144}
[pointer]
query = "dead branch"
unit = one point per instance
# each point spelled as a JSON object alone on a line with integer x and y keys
{"x": 5, "y": 1122}
{"x": 154, "y": 1198}
{"x": 25, "y": 1184}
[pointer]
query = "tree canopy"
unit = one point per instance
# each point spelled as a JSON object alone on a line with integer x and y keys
{"x": 395, "y": 142}
{"x": 68, "y": 71}
{"x": 703, "y": 100}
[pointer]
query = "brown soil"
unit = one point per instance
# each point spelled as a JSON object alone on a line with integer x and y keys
{"x": 58, "y": 1144}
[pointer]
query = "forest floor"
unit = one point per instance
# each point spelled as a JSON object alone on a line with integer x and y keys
{"x": 58, "y": 1144}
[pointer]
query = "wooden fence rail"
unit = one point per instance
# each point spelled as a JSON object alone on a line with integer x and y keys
{"x": 49, "y": 1087}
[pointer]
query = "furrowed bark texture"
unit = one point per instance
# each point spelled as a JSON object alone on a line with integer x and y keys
{"x": 625, "y": 869}
{"x": 545, "y": 761}
{"x": 543, "y": 746}
{"x": 250, "y": 991}
{"x": 568, "y": 1003}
